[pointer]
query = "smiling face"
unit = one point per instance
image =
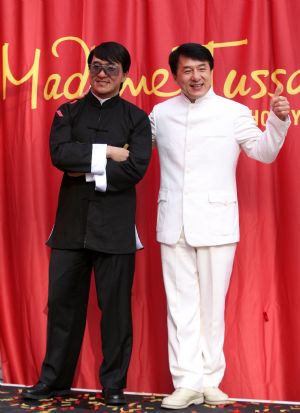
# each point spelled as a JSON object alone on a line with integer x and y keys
{"x": 194, "y": 77}
{"x": 106, "y": 83}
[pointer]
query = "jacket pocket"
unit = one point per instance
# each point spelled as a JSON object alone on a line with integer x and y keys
{"x": 219, "y": 197}
{"x": 162, "y": 208}
{"x": 223, "y": 212}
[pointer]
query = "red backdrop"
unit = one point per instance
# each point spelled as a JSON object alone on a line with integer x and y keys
{"x": 255, "y": 45}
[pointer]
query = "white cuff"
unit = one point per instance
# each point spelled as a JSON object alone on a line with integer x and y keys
{"x": 99, "y": 160}
{"x": 274, "y": 117}
{"x": 101, "y": 182}
{"x": 89, "y": 177}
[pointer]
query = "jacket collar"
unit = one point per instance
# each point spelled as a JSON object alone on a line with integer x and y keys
{"x": 92, "y": 99}
{"x": 210, "y": 93}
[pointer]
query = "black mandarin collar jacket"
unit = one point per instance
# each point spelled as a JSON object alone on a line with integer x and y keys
{"x": 86, "y": 218}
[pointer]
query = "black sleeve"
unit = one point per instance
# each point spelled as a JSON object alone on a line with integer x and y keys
{"x": 67, "y": 154}
{"x": 123, "y": 175}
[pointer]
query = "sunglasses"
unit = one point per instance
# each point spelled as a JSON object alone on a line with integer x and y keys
{"x": 110, "y": 69}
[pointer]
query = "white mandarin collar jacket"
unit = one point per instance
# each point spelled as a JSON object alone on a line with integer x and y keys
{"x": 199, "y": 145}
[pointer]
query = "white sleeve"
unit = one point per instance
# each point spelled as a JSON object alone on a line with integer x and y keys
{"x": 100, "y": 182}
{"x": 262, "y": 146}
{"x": 99, "y": 160}
{"x": 98, "y": 167}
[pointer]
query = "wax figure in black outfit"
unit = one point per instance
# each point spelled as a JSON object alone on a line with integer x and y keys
{"x": 95, "y": 225}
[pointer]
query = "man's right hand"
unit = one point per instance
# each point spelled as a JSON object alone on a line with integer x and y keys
{"x": 279, "y": 104}
{"x": 117, "y": 154}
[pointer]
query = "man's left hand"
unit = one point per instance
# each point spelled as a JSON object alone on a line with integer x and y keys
{"x": 279, "y": 104}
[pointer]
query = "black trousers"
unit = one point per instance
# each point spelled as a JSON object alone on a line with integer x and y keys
{"x": 69, "y": 284}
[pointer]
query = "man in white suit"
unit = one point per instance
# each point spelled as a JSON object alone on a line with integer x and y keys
{"x": 199, "y": 136}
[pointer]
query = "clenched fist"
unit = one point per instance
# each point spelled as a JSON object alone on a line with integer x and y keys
{"x": 117, "y": 154}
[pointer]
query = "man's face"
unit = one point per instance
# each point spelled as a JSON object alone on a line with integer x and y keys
{"x": 106, "y": 78}
{"x": 194, "y": 77}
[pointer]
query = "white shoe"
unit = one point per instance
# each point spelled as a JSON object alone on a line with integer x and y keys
{"x": 182, "y": 398}
{"x": 215, "y": 396}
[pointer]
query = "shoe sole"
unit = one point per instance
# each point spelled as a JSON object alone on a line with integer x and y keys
{"x": 47, "y": 396}
{"x": 217, "y": 402}
{"x": 182, "y": 406}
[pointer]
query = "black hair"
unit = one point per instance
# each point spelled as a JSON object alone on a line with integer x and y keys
{"x": 193, "y": 50}
{"x": 111, "y": 52}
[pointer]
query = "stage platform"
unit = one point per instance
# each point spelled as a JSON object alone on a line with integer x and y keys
{"x": 11, "y": 401}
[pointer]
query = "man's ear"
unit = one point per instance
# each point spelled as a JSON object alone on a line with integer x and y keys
{"x": 124, "y": 76}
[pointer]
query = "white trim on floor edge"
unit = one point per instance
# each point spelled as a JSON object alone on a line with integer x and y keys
{"x": 161, "y": 394}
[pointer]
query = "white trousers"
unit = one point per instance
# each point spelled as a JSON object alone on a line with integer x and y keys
{"x": 196, "y": 282}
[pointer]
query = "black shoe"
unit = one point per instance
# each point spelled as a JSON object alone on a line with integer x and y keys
{"x": 114, "y": 397}
{"x": 42, "y": 391}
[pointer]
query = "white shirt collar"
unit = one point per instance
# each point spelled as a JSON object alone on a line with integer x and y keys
{"x": 207, "y": 95}
{"x": 100, "y": 99}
